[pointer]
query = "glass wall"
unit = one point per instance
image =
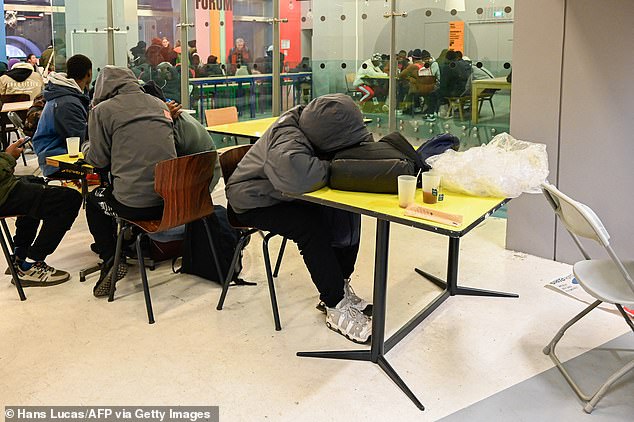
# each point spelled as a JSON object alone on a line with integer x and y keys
{"x": 448, "y": 73}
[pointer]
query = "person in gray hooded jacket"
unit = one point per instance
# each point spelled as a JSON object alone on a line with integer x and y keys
{"x": 292, "y": 157}
{"x": 129, "y": 133}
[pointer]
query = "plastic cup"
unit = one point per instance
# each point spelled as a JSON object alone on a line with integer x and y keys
{"x": 73, "y": 146}
{"x": 431, "y": 184}
{"x": 406, "y": 190}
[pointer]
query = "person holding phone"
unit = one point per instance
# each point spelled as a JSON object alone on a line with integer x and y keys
{"x": 33, "y": 202}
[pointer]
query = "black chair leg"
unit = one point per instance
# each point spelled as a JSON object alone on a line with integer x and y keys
{"x": 213, "y": 250}
{"x": 491, "y": 102}
{"x": 9, "y": 257}
{"x": 227, "y": 280}
{"x": 117, "y": 259}
{"x": 146, "y": 287}
{"x": 7, "y": 233}
{"x": 269, "y": 277}
{"x": 280, "y": 255}
{"x": 23, "y": 158}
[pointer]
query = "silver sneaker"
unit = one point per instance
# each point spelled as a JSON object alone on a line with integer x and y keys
{"x": 361, "y": 305}
{"x": 349, "y": 321}
{"x": 41, "y": 275}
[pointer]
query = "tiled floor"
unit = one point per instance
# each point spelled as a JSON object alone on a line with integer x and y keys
{"x": 63, "y": 346}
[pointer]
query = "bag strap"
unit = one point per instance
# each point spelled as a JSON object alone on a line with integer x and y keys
{"x": 397, "y": 141}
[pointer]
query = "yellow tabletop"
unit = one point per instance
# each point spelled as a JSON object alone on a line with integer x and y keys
{"x": 385, "y": 206}
{"x": 66, "y": 161}
{"x": 17, "y": 106}
{"x": 247, "y": 129}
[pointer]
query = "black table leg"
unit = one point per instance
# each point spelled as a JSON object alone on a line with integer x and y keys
{"x": 452, "y": 276}
{"x": 377, "y": 350}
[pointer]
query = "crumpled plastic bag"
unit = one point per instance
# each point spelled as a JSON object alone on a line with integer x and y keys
{"x": 505, "y": 167}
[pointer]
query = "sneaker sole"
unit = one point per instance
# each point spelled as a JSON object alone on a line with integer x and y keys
{"x": 321, "y": 307}
{"x": 28, "y": 283}
{"x": 103, "y": 289}
{"x": 336, "y": 330}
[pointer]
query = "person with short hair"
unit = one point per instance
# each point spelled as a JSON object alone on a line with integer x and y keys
{"x": 369, "y": 69}
{"x": 65, "y": 113}
{"x": 33, "y": 61}
{"x": 33, "y": 202}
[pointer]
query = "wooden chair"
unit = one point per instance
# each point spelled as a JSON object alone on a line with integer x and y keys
{"x": 229, "y": 162}
{"x": 458, "y": 103}
{"x": 221, "y": 116}
{"x": 486, "y": 96}
{"x": 183, "y": 183}
{"x": 7, "y": 247}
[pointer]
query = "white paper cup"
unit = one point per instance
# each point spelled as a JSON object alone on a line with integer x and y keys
{"x": 72, "y": 144}
{"x": 406, "y": 190}
{"x": 431, "y": 183}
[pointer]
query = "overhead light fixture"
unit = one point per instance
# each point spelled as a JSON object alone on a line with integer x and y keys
{"x": 458, "y": 5}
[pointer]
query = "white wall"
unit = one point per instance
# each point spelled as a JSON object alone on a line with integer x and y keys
{"x": 593, "y": 130}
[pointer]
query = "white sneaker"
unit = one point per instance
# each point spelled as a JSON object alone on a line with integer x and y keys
{"x": 361, "y": 305}
{"x": 41, "y": 275}
{"x": 349, "y": 321}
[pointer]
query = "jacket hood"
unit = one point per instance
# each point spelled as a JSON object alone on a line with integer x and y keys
{"x": 20, "y": 72}
{"x": 59, "y": 85}
{"x": 115, "y": 80}
{"x": 332, "y": 122}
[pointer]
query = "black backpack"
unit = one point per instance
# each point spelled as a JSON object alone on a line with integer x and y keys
{"x": 197, "y": 257}
{"x": 374, "y": 166}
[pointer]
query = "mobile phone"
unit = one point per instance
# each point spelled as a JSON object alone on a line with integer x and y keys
{"x": 24, "y": 141}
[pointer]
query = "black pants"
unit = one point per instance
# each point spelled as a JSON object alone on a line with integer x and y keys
{"x": 55, "y": 206}
{"x": 310, "y": 228}
{"x": 101, "y": 211}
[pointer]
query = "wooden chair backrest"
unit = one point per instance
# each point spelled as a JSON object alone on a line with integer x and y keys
{"x": 220, "y": 116}
{"x": 183, "y": 183}
{"x": 350, "y": 77}
{"x": 229, "y": 160}
{"x": 14, "y": 98}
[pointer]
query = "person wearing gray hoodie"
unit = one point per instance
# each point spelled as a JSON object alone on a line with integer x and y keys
{"x": 129, "y": 133}
{"x": 292, "y": 157}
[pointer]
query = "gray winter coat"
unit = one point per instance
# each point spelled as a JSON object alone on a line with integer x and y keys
{"x": 287, "y": 157}
{"x": 129, "y": 132}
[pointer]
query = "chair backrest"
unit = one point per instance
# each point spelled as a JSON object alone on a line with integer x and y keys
{"x": 219, "y": 116}
{"x": 14, "y": 98}
{"x": 581, "y": 221}
{"x": 229, "y": 160}
{"x": 183, "y": 183}
{"x": 15, "y": 119}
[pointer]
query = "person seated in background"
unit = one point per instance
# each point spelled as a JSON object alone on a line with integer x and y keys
{"x": 64, "y": 115}
{"x": 479, "y": 73}
{"x": 291, "y": 157}
{"x": 238, "y": 55}
{"x": 22, "y": 79}
{"x": 423, "y": 76}
{"x": 212, "y": 68}
{"x": 129, "y": 132}
{"x": 53, "y": 206}
{"x": 454, "y": 76}
{"x": 33, "y": 61}
{"x": 364, "y": 83}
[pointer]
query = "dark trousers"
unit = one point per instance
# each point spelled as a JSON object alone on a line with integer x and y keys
{"x": 101, "y": 211}
{"x": 56, "y": 207}
{"x": 310, "y": 228}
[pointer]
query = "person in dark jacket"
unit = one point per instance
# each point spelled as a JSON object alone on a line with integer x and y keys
{"x": 292, "y": 157}
{"x": 65, "y": 113}
{"x": 130, "y": 132}
{"x": 53, "y": 206}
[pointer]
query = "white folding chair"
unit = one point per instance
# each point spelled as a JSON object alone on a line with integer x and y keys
{"x": 607, "y": 280}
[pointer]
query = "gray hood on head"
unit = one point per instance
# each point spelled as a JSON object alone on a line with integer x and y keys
{"x": 332, "y": 122}
{"x": 114, "y": 80}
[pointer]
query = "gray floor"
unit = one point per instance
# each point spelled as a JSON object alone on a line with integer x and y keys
{"x": 547, "y": 396}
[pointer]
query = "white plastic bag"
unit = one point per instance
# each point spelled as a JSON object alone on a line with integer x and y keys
{"x": 505, "y": 167}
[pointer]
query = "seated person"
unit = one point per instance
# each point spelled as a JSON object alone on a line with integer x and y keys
{"x": 22, "y": 79}
{"x": 64, "y": 115}
{"x": 55, "y": 207}
{"x": 212, "y": 68}
{"x": 423, "y": 76}
{"x": 290, "y": 158}
{"x": 364, "y": 83}
{"x": 130, "y": 132}
{"x": 454, "y": 76}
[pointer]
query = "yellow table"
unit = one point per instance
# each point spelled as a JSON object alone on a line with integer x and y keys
{"x": 480, "y": 85}
{"x": 384, "y": 207}
{"x": 17, "y": 106}
{"x": 251, "y": 129}
{"x": 67, "y": 162}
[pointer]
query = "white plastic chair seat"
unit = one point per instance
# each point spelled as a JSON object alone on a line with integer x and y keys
{"x": 602, "y": 279}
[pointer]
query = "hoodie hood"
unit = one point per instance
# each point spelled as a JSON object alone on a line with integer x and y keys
{"x": 59, "y": 86}
{"x": 332, "y": 122}
{"x": 113, "y": 81}
{"x": 20, "y": 72}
